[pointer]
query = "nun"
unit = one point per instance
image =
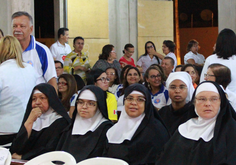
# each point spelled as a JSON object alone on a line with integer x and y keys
{"x": 44, "y": 120}
{"x": 208, "y": 138}
{"x": 180, "y": 89}
{"x": 86, "y": 136}
{"x": 139, "y": 135}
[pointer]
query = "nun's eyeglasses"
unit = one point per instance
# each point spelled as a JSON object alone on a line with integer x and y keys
{"x": 104, "y": 79}
{"x": 139, "y": 100}
{"x": 89, "y": 104}
{"x": 204, "y": 99}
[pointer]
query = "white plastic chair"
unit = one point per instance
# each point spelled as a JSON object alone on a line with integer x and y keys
{"x": 8, "y": 159}
{"x": 47, "y": 158}
{"x": 102, "y": 161}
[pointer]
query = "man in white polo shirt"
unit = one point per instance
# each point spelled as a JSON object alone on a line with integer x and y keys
{"x": 60, "y": 48}
{"x": 34, "y": 53}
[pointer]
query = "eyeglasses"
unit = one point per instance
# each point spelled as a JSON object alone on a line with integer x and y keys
{"x": 182, "y": 87}
{"x": 62, "y": 83}
{"x": 204, "y": 99}
{"x": 139, "y": 100}
{"x": 111, "y": 74}
{"x": 148, "y": 47}
{"x": 209, "y": 75}
{"x": 58, "y": 67}
{"x": 154, "y": 77}
{"x": 104, "y": 79}
{"x": 89, "y": 104}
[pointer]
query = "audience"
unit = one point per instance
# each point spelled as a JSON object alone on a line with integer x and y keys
{"x": 225, "y": 55}
{"x": 86, "y": 136}
{"x": 154, "y": 81}
{"x": 149, "y": 57}
{"x": 114, "y": 82}
{"x": 17, "y": 79}
{"x": 77, "y": 62}
{"x": 180, "y": 88}
{"x": 208, "y": 137}
{"x": 107, "y": 59}
{"x": 167, "y": 65}
{"x": 127, "y": 59}
{"x": 168, "y": 49}
{"x": 139, "y": 135}
{"x": 60, "y": 48}
{"x": 59, "y": 68}
{"x": 191, "y": 70}
{"x": 45, "y": 119}
{"x": 178, "y": 68}
{"x": 34, "y": 53}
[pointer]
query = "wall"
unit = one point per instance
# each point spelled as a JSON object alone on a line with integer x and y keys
{"x": 205, "y": 36}
{"x": 155, "y": 23}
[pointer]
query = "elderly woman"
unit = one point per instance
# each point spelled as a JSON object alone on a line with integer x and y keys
{"x": 17, "y": 79}
{"x": 86, "y": 136}
{"x": 139, "y": 135}
{"x": 209, "y": 136}
{"x": 180, "y": 88}
{"x": 44, "y": 120}
{"x": 107, "y": 59}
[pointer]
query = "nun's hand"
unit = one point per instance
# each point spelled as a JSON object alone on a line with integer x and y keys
{"x": 34, "y": 114}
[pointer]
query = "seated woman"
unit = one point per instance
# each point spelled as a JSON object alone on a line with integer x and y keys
{"x": 127, "y": 59}
{"x": 208, "y": 138}
{"x": 191, "y": 70}
{"x": 17, "y": 79}
{"x": 44, "y": 120}
{"x": 67, "y": 87}
{"x": 193, "y": 57}
{"x": 180, "y": 88}
{"x": 154, "y": 81}
{"x": 114, "y": 82}
{"x": 139, "y": 135}
{"x": 99, "y": 78}
{"x": 168, "y": 49}
{"x": 222, "y": 75}
{"x": 86, "y": 136}
{"x": 132, "y": 76}
{"x": 107, "y": 59}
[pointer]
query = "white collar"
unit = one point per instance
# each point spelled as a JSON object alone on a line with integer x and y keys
{"x": 82, "y": 125}
{"x": 45, "y": 120}
{"x": 124, "y": 129}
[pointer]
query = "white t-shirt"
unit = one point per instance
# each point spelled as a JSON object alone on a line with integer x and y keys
{"x": 40, "y": 57}
{"x": 16, "y": 85}
{"x": 145, "y": 62}
{"x": 230, "y": 63}
{"x": 172, "y": 55}
{"x": 60, "y": 51}
{"x": 198, "y": 58}
{"x": 231, "y": 98}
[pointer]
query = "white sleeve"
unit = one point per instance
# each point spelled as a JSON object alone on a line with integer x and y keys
{"x": 73, "y": 99}
{"x": 139, "y": 62}
{"x": 51, "y": 70}
{"x": 187, "y": 57}
{"x": 204, "y": 70}
{"x": 53, "y": 51}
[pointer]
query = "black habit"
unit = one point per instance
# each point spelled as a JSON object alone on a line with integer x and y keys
{"x": 221, "y": 149}
{"x": 173, "y": 118}
{"x": 91, "y": 144}
{"x": 149, "y": 138}
{"x": 46, "y": 139}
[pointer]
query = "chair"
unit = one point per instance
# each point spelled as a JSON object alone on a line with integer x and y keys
{"x": 7, "y": 152}
{"x": 47, "y": 158}
{"x": 102, "y": 161}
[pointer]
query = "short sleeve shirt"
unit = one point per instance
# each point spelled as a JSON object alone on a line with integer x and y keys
{"x": 198, "y": 58}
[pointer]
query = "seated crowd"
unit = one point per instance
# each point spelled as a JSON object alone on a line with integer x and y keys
{"x": 154, "y": 112}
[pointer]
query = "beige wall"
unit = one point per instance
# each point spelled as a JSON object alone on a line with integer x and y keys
{"x": 89, "y": 19}
{"x": 155, "y": 23}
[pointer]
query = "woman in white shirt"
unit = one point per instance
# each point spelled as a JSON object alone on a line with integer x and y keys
{"x": 168, "y": 49}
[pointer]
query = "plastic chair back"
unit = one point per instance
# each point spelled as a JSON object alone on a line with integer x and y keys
{"x": 8, "y": 159}
{"x": 102, "y": 161}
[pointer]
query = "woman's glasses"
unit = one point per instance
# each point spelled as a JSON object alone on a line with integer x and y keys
{"x": 89, "y": 104}
{"x": 139, "y": 100}
{"x": 148, "y": 47}
{"x": 62, "y": 83}
{"x": 103, "y": 79}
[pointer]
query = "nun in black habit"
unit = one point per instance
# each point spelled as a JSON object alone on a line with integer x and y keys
{"x": 44, "y": 120}
{"x": 180, "y": 89}
{"x": 86, "y": 136}
{"x": 208, "y": 138}
{"x": 139, "y": 135}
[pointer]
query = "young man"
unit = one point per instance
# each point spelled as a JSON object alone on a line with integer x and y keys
{"x": 60, "y": 48}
